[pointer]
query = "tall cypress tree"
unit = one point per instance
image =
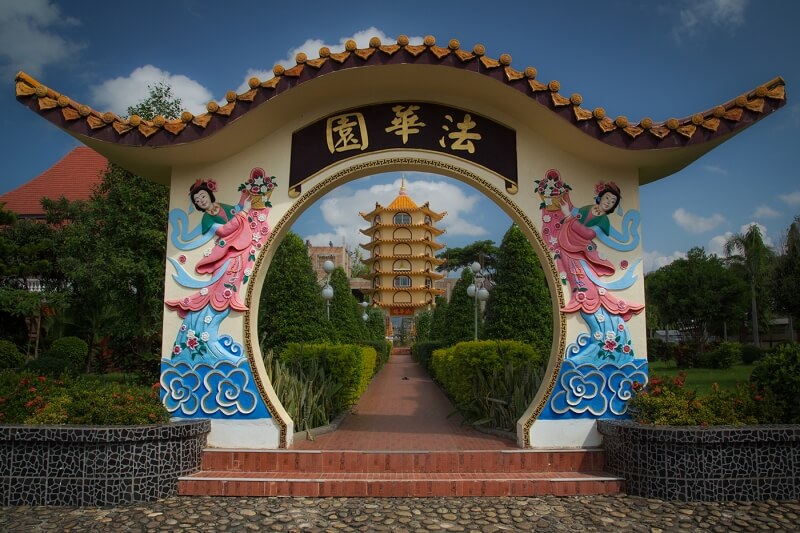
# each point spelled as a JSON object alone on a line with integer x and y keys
{"x": 461, "y": 312}
{"x": 439, "y": 320}
{"x": 345, "y": 311}
{"x": 291, "y": 306}
{"x": 519, "y": 307}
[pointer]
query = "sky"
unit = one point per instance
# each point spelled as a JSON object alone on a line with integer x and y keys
{"x": 654, "y": 58}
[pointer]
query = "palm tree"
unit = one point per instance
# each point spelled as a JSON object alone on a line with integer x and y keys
{"x": 749, "y": 251}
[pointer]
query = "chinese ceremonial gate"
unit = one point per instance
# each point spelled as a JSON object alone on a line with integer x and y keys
{"x": 241, "y": 173}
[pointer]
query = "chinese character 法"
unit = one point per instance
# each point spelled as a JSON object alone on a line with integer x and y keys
{"x": 462, "y": 137}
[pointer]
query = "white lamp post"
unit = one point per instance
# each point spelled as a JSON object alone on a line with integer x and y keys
{"x": 327, "y": 290}
{"x": 364, "y": 317}
{"x": 477, "y": 291}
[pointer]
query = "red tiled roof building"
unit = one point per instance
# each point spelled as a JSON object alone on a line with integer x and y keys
{"x": 73, "y": 177}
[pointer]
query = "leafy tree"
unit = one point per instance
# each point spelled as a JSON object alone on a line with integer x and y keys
{"x": 345, "y": 310}
{"x": 786, "y": 278}
{"x": 519, "y": 305}
{"x": 460, "y": 321}
{"x": 696, "y": 294}
{"x": 375, "y": 324}
{"x": 160, "y": 101}
{"x": 485, "y": 252}
{"x": 748, "y": 252}
{"x": 291, "y": 306}
{"x": 424, "y": 320}
{"x": 439, "y": 319}
{"x": 357, "y": 268}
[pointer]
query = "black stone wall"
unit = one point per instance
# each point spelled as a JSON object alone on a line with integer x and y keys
{"x": 704, "y": 464}
{"x": 91, "y": 465}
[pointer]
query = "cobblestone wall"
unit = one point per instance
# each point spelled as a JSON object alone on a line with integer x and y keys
{"x": 90, "y": 465}
{"x": 704, "y": 464}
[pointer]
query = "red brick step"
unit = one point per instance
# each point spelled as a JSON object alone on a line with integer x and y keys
{"x": 400, "y": 474}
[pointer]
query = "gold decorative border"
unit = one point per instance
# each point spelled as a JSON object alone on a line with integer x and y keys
{"x": 409, "y": 161}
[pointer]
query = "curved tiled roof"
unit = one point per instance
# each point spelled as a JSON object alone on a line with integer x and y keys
{"x": 433, "y": 229}
{"x": 372, "y": 243}
{"x": 619, "y": 131}
{"x": 73, "y": 177}
{"x": 425, "y": 208}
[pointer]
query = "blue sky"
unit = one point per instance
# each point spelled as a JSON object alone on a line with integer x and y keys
{"x": 657, "y": 59}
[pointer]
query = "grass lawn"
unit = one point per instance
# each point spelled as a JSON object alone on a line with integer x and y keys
{"x": 701, "y": 379}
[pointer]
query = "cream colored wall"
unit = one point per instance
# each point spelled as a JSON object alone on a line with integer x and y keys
{"x": 536, "y": 154}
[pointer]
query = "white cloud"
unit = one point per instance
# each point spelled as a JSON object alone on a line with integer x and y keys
{"x": 696, "y": 223}
{"x": 28, "y": 38}
{"x": 717, "y": 244}
{"x": 765, "y": 211}
{"x": 715, "y": 169}
{"x": 655, "y": 260}
{"x": 792, "y": 198}
{"x": 699, "y": 14}
{"x": 311, "y": 49}
{"x": 340, "y": 209}
{"x": 119, "y": 93}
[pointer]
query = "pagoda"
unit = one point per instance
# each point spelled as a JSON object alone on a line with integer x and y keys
{"x": 402, "y": 259}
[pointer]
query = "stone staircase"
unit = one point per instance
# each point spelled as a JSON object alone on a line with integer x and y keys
{"x": 335, "y": 473}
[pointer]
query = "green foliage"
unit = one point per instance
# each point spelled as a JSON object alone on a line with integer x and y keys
{"x": 349, "y": 365}
{"x": 160, "y": 101}
{"x": 460, "y": 313}
{"x": 28, "y": 398}
{"x": 501, "y": 395}
{"x": 72, "y": 351}
{"x": 439, "y": 320}
{"x": 519, "y": 306}
{"x": 48, "y": 366}
{"x": 375, "y": 325}
{"x": 10, "y": 356}
{"x": 658, "y": 350}
{"x": 778, "y": 375}
{"x": 697, "y": 294}
{"x": 748, "y": 254}
{"x": 291, "y": 307}
{"x": 307, "y": 392}
{"x": 751, "y": 354}
{"x": 456, "y": 258}
{"x": 669, "y": 403}
{"x": 786, "y": 273}
{"x": 424, "y": 321}
{"x": 722, "y": 356}
{"x": 456, "y": 367}
{"x": 422, "y": 352}
{"x": 345, "y": 310}
{"x": 383, "y": 349}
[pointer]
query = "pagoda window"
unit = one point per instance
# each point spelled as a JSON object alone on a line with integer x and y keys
{"x": 428, "y": 283}
{"x": 428, "y": 220}
{"x": 375, "y": 283}
{"x": 402, "y": 281}
{"x": 402, "y": 233}
{"x": 376, "y": 236}
{"x": 428, "y": 236}
{"x": 402, "y": 249}
{"x": 402, "y": 297}
{"x": 428, "y": 266}
{"x": 402, "y": 218}
{"x": 376, "y": 266}
{"x": 401, "y": 265}
{"x": 376, "y": 250}
{"x": 377, "y": 219}
{"x": 428, "y": 251}
{"x": 428, "y": 298}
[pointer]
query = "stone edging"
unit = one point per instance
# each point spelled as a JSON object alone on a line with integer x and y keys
{"x": 96, "y": 465}
{"x": 716, "y": 463}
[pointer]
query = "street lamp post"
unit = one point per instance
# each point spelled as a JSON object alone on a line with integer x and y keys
{"x": 327, "y": 290}
{"x": 364, "y": 316}
{"x": 477, "y": 291}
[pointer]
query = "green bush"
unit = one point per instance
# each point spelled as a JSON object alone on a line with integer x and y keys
{"x": 28, "y": 398}
{"x": 422, "y": 352}
{"x": 666, "y": 402}
{"x": 457, "y": 367}
{"x": 722, "y": 356}
{"x": 10, "y": 356}
{"x": 47, "y": 366}
{"x": 658, "y": 350}
{"x": 72, "y": 350}
{"x": 383, "y": 349}
{"x": 777, "y": 375}
{"x": 684, "y": 354}
{"x": 751, "y": 354}
{"x": 349, "y": 365}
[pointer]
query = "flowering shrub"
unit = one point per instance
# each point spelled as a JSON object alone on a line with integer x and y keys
{"x": 667, "y": 402}
{"x": 28, "y": 398}
{"x": 778, "y": 374}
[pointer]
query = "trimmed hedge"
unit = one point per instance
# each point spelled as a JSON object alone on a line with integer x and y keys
{"x": 457, "y": 367}
{"x": 383, "y": 350}
{"x": 423, "y": 352}
{"x": 10, "y": 356}
{"x": 349, "y": 365}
